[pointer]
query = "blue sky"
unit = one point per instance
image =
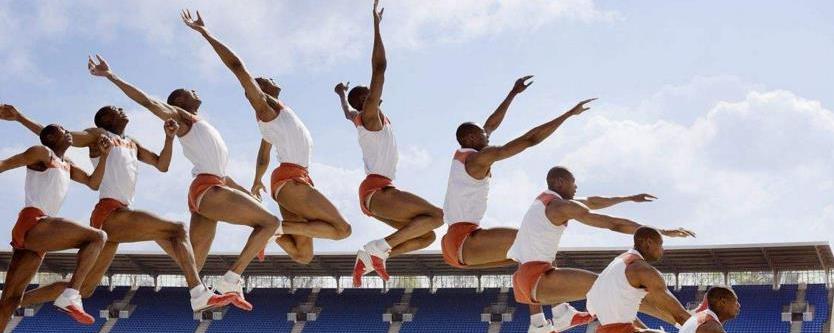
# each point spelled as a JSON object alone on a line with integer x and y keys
{"x": 721, "y": 109}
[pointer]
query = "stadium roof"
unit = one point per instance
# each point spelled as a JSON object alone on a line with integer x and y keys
{"x": 722, "y": 258}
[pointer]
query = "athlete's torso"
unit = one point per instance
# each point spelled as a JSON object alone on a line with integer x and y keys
{"x": 612, "y": 298}
{"x": 291, "y": 139}
{"x": 121, "y": 171}
{"x": 46, "y": 190}
{"x": 693, "y": 323}
{"x": 379, "y": 148}
{"x": 466, "y": 197}
{"x": 205, "y": 148}
{"x": 538, "y": 238}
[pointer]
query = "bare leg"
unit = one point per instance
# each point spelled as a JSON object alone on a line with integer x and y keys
{"x": 564, "y": 285}
{"x": 225, "y": 204}
{"x": 299, "y": 248}
{"x": 50, "y": 292}
{"x": 56, "y": 234}
{"x": 22, "y": 268}
{"x": 323, "y": 220}
{"x": 487, "y": 248}
{"x": 419, "y": 216}
{"x": 201, "y": 230}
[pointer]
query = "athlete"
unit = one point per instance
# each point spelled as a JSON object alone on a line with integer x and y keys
{"x": 537, "y": 281}
{"x": 306, "y": 212}
{"x": 113, "y": 213}
{"x": 38, "y": 229}
{"x": 413, "y": 217}
{"x": 722, "y": 305}
{"x": 213, "y": 195}
{"x": 617, "y": 293}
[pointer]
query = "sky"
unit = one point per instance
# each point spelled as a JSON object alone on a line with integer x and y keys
{"x": 720, "y": 109}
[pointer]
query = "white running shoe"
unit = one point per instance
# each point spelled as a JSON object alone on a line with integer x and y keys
{"x": 210, "y": 300}
{"x": 547, "y": 328}
{"x": 236, "y": 290}
{"x": 566, "y": 317}
{"x": 363, "y": 265}
{"x": 74, "y": 308}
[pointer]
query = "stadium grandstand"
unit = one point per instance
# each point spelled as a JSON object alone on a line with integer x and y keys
{"x": 782, "y": 288}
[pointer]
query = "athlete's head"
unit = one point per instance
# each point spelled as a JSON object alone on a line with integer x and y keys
{"x": 649, "y": 243}
{"x": 185, "y": 99}
{"x": 560, "y": 180}
{"x": 56, "y": 138}
{"x": 723, "y": 301}
{"x": 356, "y": 97}
{"x": 471, "y": 135}
{"x": 268, "y": 86}
{"x": 112, "y": 119}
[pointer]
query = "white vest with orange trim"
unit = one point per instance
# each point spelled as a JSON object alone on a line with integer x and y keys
{"x": 119, "y": 181}
{"x": 379, "y": 148}
{"x": 693, "y": 323}
{"x": 205, "y": 148}
{"x": 466, "y": 197}
{"x": 612, "y": 299}
{"x": 291, "y": 139}
{"x": 46, "y": 190}
{"x": 538, "y": 238}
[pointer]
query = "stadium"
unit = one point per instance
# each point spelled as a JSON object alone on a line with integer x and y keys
{"x": 782, "y": 288}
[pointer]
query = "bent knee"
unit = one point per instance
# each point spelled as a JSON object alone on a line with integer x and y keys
{"x": 97, "y": 236}
{"x": 428, "y": 238}
{"x": 303, "y": 258}
{"x": 343, "y": 230}
{"x": 179, "y": 230}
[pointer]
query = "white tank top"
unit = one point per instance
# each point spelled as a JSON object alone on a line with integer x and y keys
{"x": 379, "y": 148}
{"x": 205, "y": 148}
{"x": 289, "y": 136}
{"x": 691, "y": 325}
{"x": 538, "y": 239}
{"x": 612, "y": 298}
{"x": 46, "y": 190}
{"x": 466, "y": 197}
{"x": 120, "y": 174}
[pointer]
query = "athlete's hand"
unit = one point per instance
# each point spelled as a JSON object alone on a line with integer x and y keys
{"x": 341, "y": 88}
{"x": 98, "y": 69}
{"x": 579, "y": 108}
{"x": 9, "y": 112}
{"x": 189, "y": 20}
{"x": 521, "y": 84}
{"x": 104, "y": 144}
{"x": 679, "y": 232}
{"x": 644, "y": 197}
{"x": 256, "y": 190}
{"x": 171, "y": 126}
{"x": 377, "y": 12}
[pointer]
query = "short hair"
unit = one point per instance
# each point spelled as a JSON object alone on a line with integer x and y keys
{"x": 558, "y": 173}
{"x": 646, "y": 233}
{"x": 466, "y": 130}
{"x": 47, "y": 133}
{"x": 260, "y": 80}
{"x": 354, "y": 94}
{"x": 175, "y": 94}
{"x": 719, "y": 293}
{"x": 104, "y": 111}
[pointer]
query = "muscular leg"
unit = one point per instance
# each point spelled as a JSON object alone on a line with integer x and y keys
{"x": 226, "y": 204}
{"x": 56, "y": 234}
{"x": 22, "y": 268}
{"x": 323, "y": 220}
{"x": 201, "y": 230}
{"x": 299, "y": 248}
{"x": 50, "y": 292}
{"x": 419, "y": 217}
{"x": 487, "y": 248}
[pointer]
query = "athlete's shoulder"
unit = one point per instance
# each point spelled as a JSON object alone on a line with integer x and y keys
{"x": 711, "y": 326}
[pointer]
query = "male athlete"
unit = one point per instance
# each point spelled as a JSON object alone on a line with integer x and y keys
{"x": 38, "y": 230}
{"x": 617, "y": 293}
{"x": 113, "y": 213}
{"x": 412, "y": 216}
{"x": 537, "y": 281}
{"x": 213, "y": 195}
{"x": 306, "y": 212}
{"x": 722, "y": 306}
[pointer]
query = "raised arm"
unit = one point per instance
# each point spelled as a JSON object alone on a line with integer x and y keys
{"x": 341, "y": 90}
{"x": 161, "y": 110}
{"x": 497, "y": 116}
{"x": 565, "y": 210}
{"x": 605, "y": 202}
{"x": 34, "y": 154}
{"x": 260, "y": 169}
{"x": 10, "y": 113}
{"x": 370, "y": 110}
{"x": 254, "y": 94}
{"x": 162, "y": 161}
{"x": 93, "y": 180}
{"x": 658, "y": 293}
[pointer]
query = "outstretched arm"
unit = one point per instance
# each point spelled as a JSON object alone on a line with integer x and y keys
{"x": 658, "y": 292}
{"x": 341, "y": 90}
{"x": 93, "y": 180}
{"x": 161, "y": 110}
{"x": 10, "y": 113}
{"x": 254, "y": 94}
{"x": 34, "y": 154}
{"x": 605, "y": 202}
{"x": 574, "y": 210}
{"x": 260, "y": 169}
{"x": 370, "y": 110}
{"x": 162, "y": 161}
{"x": 497, "y": 116}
